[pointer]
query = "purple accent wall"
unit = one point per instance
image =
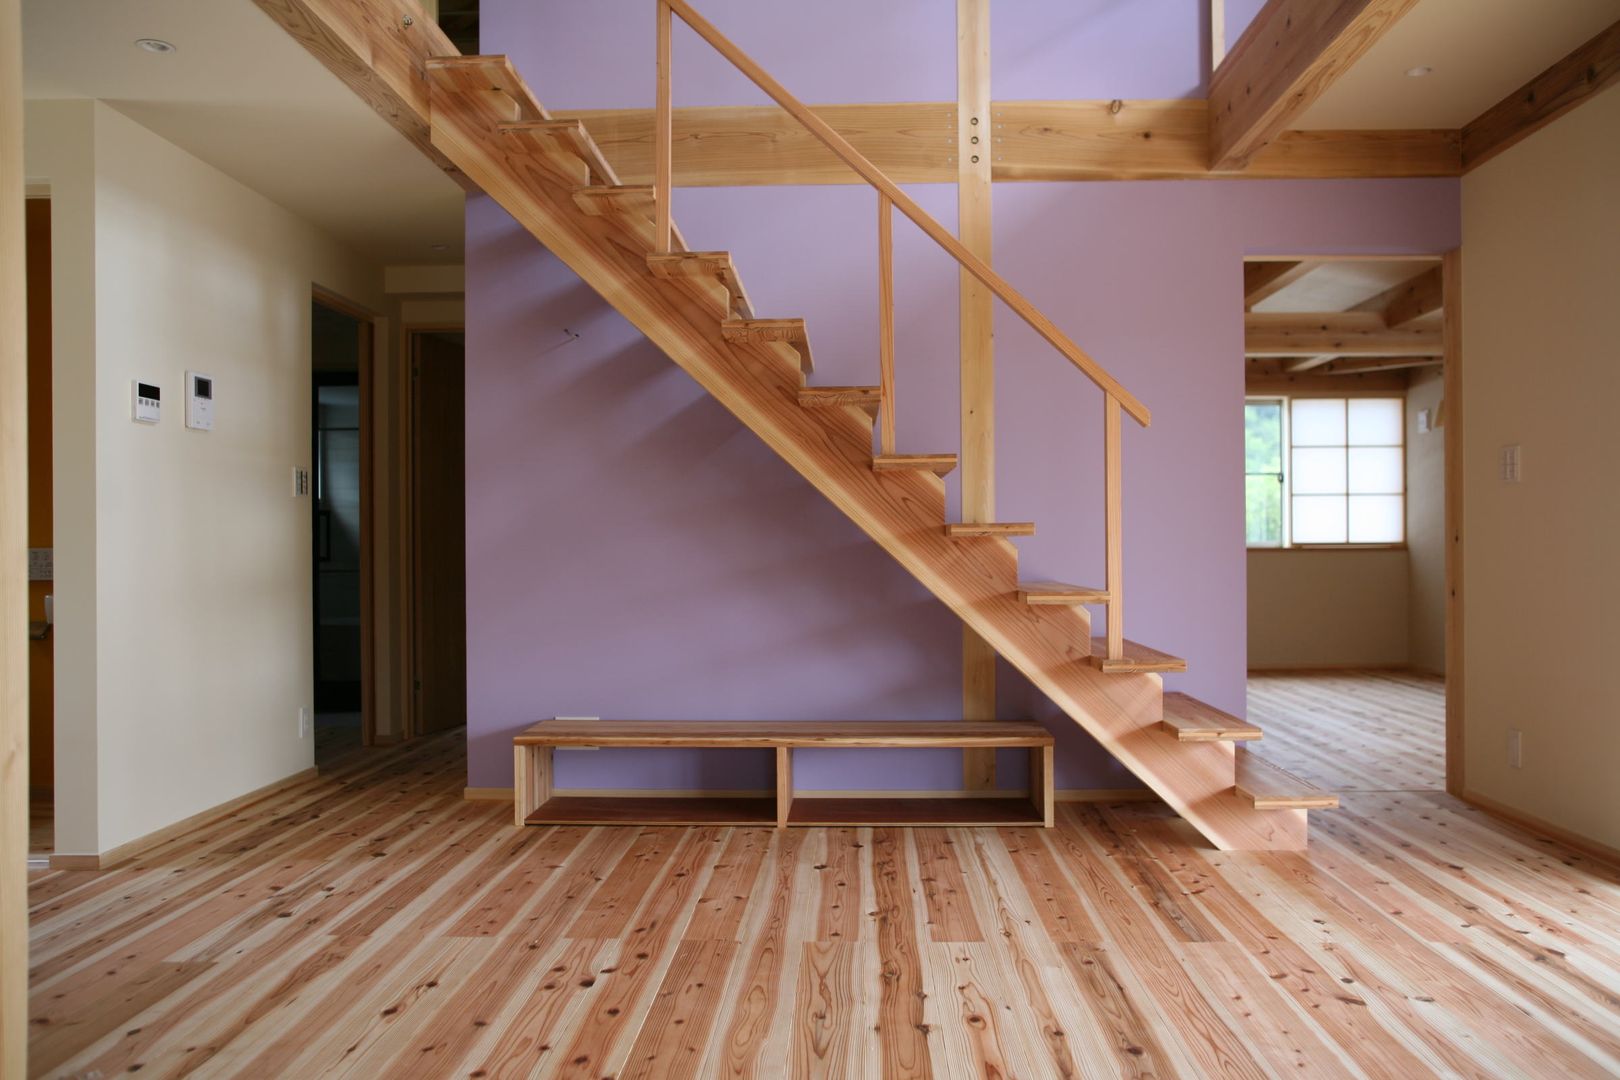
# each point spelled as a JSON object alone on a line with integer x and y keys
{"x": 634, "y": 552}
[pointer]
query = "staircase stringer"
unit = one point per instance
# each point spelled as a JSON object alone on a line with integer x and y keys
{"x": 901, "y": 511}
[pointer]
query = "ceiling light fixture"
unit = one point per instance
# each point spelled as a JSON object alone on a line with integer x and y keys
{"x": 155, "y": 45}
{"x": 1419, "y": 72}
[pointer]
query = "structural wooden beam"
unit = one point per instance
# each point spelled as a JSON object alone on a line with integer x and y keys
{"x": 1409, "y": 301}
{"x": 1263, "y": 280}
{"x": 13, "y": 542}
{"x": 1307, "y": 363}
{"x": 1361, "y": 365}
{"x": 1574, "y": 79}
{"x": 379, "y": 48}
{"x": 1289, "y": 55}
{"x": 735, "y": 146}
{"x": 1347, "y": 333}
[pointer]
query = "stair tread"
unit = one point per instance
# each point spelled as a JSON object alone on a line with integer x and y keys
{"x": 578, "y": 140}
{"x": 1191, "y": 720}
{"x": 865, "y": 398}
{"x": 633, "y": 200}
{"x": 990, "y": 528}
{"x": 479, "y": 74}
{"x": 1138, "y": 657}
{"x": 1271, "y": 787}
{"x": 1058, "y": 593}
{"x": 699, "y": 263}
{"x": 765, "y": 331}
{"x": 938, "y": 464}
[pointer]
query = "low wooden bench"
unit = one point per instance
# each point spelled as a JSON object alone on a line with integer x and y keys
{"x": 537, "y": 804}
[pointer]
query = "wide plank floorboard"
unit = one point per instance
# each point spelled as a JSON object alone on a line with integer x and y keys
{"x": 372, "y": 923}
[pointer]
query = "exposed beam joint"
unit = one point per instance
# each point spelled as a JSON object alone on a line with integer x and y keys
{"x": 1347, "y": 333}
{"x": 1289, "y": 55}
{"x": 1263, "y": 280}
{"x": 1574, "y": 79}
{"x": 1408, "y": 301}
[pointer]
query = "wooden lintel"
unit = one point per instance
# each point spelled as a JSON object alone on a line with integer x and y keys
{"x": 1574, "y": 79}
{"x": 1348, "y": 333}
{"x": 737, "y": 146}
{"x": 1409, "y": 301}
{"x": 380, "y": 49}
{"x": 1290, "y": 54}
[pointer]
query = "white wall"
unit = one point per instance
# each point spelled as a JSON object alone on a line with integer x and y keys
{"x": 185, "y": 642}
{"x": 1426, "y": 525}
{"x": 1541, "y": 369}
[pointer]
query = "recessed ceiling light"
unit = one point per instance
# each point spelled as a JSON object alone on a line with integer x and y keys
{"x": 155, "y": 45}
{"x": 1419, "y": 72}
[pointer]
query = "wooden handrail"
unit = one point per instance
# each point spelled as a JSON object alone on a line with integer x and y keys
{"x": 879, "y": 180}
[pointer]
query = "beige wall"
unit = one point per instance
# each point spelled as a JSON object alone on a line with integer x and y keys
{"x": 1541, "y": 363}
{"x": 1311, "y": 608}
{"x": 183, "y": 561}
{"x": 1426, "y": 526}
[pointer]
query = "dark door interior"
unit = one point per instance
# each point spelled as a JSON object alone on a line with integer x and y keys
{"x": 439, "y": 501}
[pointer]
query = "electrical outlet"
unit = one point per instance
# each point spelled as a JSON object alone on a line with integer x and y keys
{"x": 303, "y": 722}
{"x": 1515, "y": 748}
{"x": 300, "y": 481}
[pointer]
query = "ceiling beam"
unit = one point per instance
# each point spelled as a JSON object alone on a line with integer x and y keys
{"x": 1574, "y": 79}
{"x": 379, "y": 48}
{"x": 1364, "y": 364}
{"x": 1289, "y": 55}
{"x": 1308, "y": 363}
{"x": 1263, "y": 280}
{"x": 1345, "y": 333}
{"x": 1409, "y": 301}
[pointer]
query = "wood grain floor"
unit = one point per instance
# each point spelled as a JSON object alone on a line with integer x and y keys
{"x": 373, "y": 924}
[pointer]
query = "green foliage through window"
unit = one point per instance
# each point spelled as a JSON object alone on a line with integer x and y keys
{"x": 1263, "y": 473}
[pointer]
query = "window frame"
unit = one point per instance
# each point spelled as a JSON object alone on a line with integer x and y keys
{"x": 1287, "y": 399}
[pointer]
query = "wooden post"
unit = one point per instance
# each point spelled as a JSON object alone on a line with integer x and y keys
{"x": 1217, "y": 34}
{"x": 1451, "y": 299}
{"x": 13, "y": 576}
{"x": 1113, "y": 516}
{"x": 531, "y": 780}
{"x": 784, "y": 785}
{"x": 885, "y": 324}
{"x": 663, "y": 137}
{"x": 978, "y": 457}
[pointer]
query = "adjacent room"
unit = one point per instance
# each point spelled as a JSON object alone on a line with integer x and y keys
{"x": 721, "y": 538}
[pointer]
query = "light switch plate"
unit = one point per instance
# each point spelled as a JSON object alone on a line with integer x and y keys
{"x": 1511, "y": 470}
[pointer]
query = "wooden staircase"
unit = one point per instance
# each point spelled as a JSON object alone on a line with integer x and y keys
{"x": 553, "y": 179}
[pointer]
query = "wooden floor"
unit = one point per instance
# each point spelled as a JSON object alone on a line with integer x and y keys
{"x": 373, "y": 924}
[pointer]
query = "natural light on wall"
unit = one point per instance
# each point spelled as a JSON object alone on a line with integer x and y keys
{"x": 1342, "y": 480}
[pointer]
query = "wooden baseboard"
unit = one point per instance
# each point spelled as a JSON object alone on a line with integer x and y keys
{"x": 1074, "y": 795}
{"x": 142, "y": 844}
{"x": 1531, "y": 823}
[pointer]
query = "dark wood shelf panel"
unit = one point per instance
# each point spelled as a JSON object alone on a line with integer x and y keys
{"x": 633, "y": 810}
{"x": 914, "y": 811}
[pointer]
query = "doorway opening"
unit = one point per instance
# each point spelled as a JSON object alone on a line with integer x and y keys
{"x": 340, "y": 525}
{"x": 1352, "y": 403}
{"x": 41, "y": 563}
{"x": 438, "y": 550}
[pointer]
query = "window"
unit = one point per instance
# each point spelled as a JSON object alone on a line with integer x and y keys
{"x": 1342, "y": 479}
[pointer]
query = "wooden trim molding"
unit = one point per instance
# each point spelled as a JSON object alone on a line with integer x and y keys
{"x": 142, "y": 844}
{"x": 13, "y": 540}
{"x": 1290, "y": 54}
{"x": 1071, "y": 795}
{"x": 1532, "y": 824}
{"x": 1576, "y": 78}
{"x": 1453, "y": 429}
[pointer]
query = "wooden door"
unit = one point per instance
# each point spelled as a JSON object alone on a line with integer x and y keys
{"x": 439, "y": 552}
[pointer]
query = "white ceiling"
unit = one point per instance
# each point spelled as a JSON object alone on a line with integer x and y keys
{"x": 1480, "y": 50}
{"x": 245, "y": 97}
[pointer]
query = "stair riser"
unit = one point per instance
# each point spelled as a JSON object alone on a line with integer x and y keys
{"x": 903, "y": 512}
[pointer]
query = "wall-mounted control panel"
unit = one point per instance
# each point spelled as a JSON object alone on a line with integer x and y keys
{"x": 146, "y": 400}
{"x": 199, "y": 401}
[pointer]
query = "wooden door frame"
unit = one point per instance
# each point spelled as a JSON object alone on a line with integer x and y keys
{"x": 368, "y": 533}
{"x": 1450, "y": 263}
{"x": 411, "y": 571}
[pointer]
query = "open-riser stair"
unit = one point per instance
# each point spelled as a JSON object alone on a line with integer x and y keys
{"x": 694, "y": 318}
